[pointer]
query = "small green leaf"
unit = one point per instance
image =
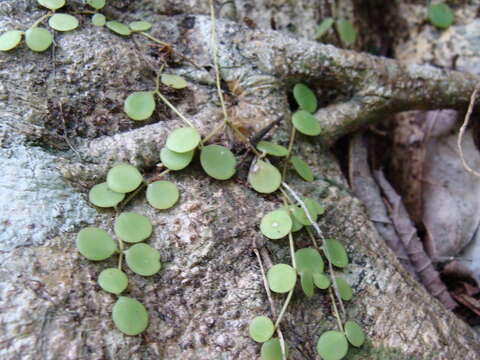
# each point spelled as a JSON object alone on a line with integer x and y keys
{"x": 335, "y": 252}
{"x": 38, "y": 39}
{"x": 118, "y": 28}
{"x": 183, "y": 139}
{"x": 296, "y": 225}
{"x": 63, "y": 22}
{"x": 276, "y": 224}
{"x": 344, "y": 289}
{"x": 302, "y": 168}
{"x": 95, "y": 244}
{"x": 324, "y": 26}
{"x": 100, "y": 195}
{"x": 52, "y": 4}
{"x": 301, "y": 217}
{"x": 306, "y": 281}
{"x": 321, "y": 281}
{"x": 332, "y": 345}
{"x": 218, "y": 162}
{"x": 10, "y": 40}
{"x": 175, "y": 161}
{"x": 281, "y": 278}
{"x": 261, "y": 329}
{"x": 174, "y": 81}
{"x": 272, "y": 350}
{"x": 306, "y": 100}
{"x": 162, "y": 194}
{"x": 96, "y": 4}
{"x": 306, "y": 123}
{"x": 272, "y": 148}
{"x": 440, "y": 15}
{"x": 354, "y": 333}
{"x": 346, "y": 31}
{"x": 143, "y": 259}
{"x": 129, "y": 316}
{"x": 309, "y": 260}
{"x": 316, "y": 205}
{"x": 99, "y": 20}
{"x": 113, "y": 280}
{"x": 139, "y": 105}
{"x": 124, "y": 178}
{"x": 132, "y": 227}
{"x": 137, "y": 26}
{"x": 264, "y": 177}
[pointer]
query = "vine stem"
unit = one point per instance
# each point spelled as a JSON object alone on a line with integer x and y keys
{"x": 335, "y": 310}
{"x": 290, "y": 146}
{"x": 120, "y": 256}
{"x": 154, "y": 39}
{"x": 165, "y": 100}
{"x": 46, "y": 16}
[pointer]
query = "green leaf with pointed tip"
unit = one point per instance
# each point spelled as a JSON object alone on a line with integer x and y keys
{"x": 95, "y": 244}
{"x": 132, "y": 227}
{"x": 143, "y": 259}
{"x": 276, "y": 224}
{"x": 261, "y": 329}
{"x": 129, "y": 316}
{"x": 306, "y": 281}
{"x": 63, "y": 22}
{"x": 162, "y": 194}
{"x": 302, "y": 168}
{"x": 354, "y": 333}
{"x": 305, "y": 99}
{"x": 306, "y": 123}
{"x": 174, "y": 81}
{"x": 137, "y": 26}
{"x": 332, "y": 345}
{"x": 324, "y": 26}
{"x": 440, "y": 15}
{"x": 99, "y": 20}
{"x": 139, "y": 105}
{"x": 321, "y": 281}
{"x": 118, "y": 28}
{"x": 264, "y": 177}
{"x": 272, "y": 148}
{"x": 10, "y": 40}
{"x": 52, "y": 4}
{"x": 272, "y": 350}
{"x": 96, "y": 4}
{"x": 38, "y": 39}
{"x": 346, "y": 31}
{"x": 344, "y": 289}
{"x": 218, "y": 162}
{"x": 183, "y": 139}
{"x": 100, "y": 195}
{"x": 175, "y": 161}
{"x": 309, "y": 260}
{"x": 113, "y": 280}
{"x": 124, "y": 178}
{"x": 281, "y": 278}
{"x": 335, "y": 252}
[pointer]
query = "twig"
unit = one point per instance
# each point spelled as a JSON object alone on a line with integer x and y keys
{"x": 462, "y": 131}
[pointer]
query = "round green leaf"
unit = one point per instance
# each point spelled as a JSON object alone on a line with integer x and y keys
{"x": 272, "y": 148}
{"x": 129, "y": 316}
{"x": 296, "y": 225}
{"x": 113, "y": 280}
{"x": 440, "y": 15}
{"x": 332, "y": 345}
{"x": 96, "y": 4}
{"x": 319, "y": 209}
{"x": 306, "y": 281}
{"x": 306, "y": 123}
{"x": 143, "y": 259}
{"x": 175, "y": 161}
{"x": 100, "y": 195}
{"x": 118, "y": 28}
{"x": 183, "y": 139}
{"x": 99, "y": 20}
{"x": 302, "y": 168}
{"x": 174, "y": 81}
{"x": 137, "y": 26}
{"x": 335, "y": 252}
{"x": 261, "y": 329}
{"x": 95, "y": 244}
{"x": 321, "y": 281}
{"x": 162, "y": 194}
{"x": 10, "y": 40}
{"x": 276, "y": 224}
{"x": 218, "y": 162}
{"x": 139, "y": 105}
{"x": 309, "y": 260}
{"x": 305, "y": 99}
{"x": 301, "y": 217}
{"x": 264, "y": 177}
{"x": 52, "y": 4}
{"x": 354, "y": 333}
{"x": 272, "y": 350}
{"x": 344, "y": 289}
{"x": 38, "y": 39}
{"x": 324, "y": 26}
{"x": 63, "y": 22}
{"x": 132, "y": 227}
{"x": 346, "y": 31}
{"x": 124, "y": 178}
{"x": 281, "y": 278}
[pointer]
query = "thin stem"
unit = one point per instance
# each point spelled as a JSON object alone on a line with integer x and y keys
{"x": 290, "y": 146}
{"x": 46, "y": 16}
{"x": 120, "y": 256}
{"x": 131, "y": 196}
{"x": 335, "y": 310}
{"x": 284, "y": 308}
{"x": 154, "y": 39}
{"x": 292, "y": 250}
{"x": 157, "y": 79}
{"x": 214, "y": 132}
{"x": 159, "y": 176}
{"x": 312, "y": 238}
{"x": 164, "y": 99}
